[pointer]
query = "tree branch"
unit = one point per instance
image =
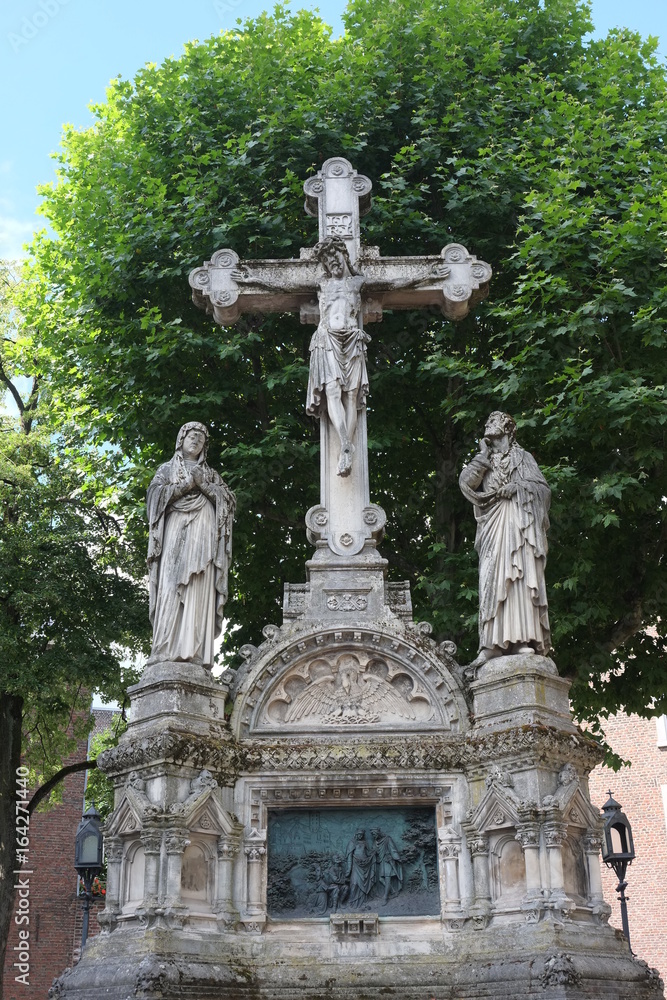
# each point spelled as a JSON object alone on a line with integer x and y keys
{"x": 12, "y": 388}
{"x": 48, "y": 786}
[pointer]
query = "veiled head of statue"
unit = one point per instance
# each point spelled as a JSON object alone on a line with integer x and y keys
{"x": 503, "y": 422}
{"x": 193, "y": 425}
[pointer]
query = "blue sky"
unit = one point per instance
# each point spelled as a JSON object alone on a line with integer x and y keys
{"x": 56, "y": 56}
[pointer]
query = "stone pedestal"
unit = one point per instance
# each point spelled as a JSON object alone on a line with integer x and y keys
{"x": 471, "y": 798}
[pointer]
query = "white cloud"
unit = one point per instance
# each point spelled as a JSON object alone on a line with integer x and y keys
{"x": 13, "y": 234}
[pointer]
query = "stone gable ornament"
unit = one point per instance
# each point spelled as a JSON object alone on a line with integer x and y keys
{"x": 190, "y": 514}
{"x": 511, "y": 500}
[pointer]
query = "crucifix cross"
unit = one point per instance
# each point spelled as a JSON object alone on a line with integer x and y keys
{"x": 338, "y": 285}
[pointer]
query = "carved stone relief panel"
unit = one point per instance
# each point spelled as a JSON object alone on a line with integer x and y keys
{"x": 338, "y": 679}
{"x": 340, "y": 690}
{"x": 380, "y": 860}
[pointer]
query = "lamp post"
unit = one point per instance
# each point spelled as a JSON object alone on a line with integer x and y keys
{"x": 618, "y": 851}
{"x": 88, "y": 859}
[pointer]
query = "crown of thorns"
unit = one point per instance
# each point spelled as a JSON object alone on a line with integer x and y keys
{"x": 337, "y": 244}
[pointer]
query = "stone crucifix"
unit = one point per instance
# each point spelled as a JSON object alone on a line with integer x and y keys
{"x": 339, "y": 285}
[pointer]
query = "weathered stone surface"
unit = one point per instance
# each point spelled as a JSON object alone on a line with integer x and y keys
{"x": 511, "y": 498}
{"x": 352, "y": 814}
{"x": 190, "y": 513}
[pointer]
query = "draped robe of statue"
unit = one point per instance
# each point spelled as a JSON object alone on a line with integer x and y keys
{"x": 512, "y": 545}
{"x": 360, "y": 870}
{"x": 188, "y": 558}
{"x": 338, "y": 345}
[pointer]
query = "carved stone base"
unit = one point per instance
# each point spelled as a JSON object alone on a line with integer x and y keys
{"x": 356, "y": 963}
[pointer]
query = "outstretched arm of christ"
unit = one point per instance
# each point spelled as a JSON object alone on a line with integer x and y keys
{"x": 435, "y": 272}
{"x": 243, "y": 275}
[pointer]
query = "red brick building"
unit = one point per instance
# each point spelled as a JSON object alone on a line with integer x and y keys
{"x": 55, "y": 911}
{"x": 642, "y": 791}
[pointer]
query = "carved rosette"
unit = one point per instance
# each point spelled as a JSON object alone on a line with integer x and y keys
{"x": 214, "y": 289}
{"x": 318, "y": 528}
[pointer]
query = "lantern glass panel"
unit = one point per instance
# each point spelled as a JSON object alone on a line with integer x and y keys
{"x": 89, "y": 850}
{"x": 618, "y": 839}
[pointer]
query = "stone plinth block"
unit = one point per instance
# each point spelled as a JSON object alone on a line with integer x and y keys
{"x": 185, "y": 695}
{"x": 518, "y": 690}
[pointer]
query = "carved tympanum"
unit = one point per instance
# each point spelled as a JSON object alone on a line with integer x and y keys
{"x": 348, "y": 689}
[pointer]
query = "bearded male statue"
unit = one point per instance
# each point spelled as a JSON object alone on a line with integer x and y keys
{"x": 190, "y": 514}
{"x": 511, "y": 501}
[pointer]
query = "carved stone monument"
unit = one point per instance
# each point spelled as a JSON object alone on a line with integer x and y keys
{"x": 351, "y": 814}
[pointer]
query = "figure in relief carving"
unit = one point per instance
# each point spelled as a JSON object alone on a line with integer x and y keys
{"x": 388, "y": 867}
{"x": 360, "y": 870}
{"x": 511, "y": 502}
{"x": 190, "y": 514}
{"x": 338, "y": 348}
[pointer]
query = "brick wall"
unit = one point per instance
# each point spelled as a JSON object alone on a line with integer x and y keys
{"x": 55, "y": 912}
{"x": 639, "y": 790}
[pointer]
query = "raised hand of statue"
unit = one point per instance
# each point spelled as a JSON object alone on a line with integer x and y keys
{"x": 484, "y": 448}
{"x": 508, "y": 490}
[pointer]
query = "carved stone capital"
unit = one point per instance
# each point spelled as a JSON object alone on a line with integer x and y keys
{"x": 113, "y": 849}
{"x": 528, "y": 837}
{"x": 555, "y": 835}
{"x": 592, "y": 843}
{"x": 176, "y": 841}
{"x": 254, "y": 852}
{"x": 479, "y": 847}
{"x": 151, "y": 841}
{"x": 449, "y": 850}
{"x": 227, "y": 849}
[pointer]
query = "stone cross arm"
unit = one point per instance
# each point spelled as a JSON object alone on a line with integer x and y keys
{"x": 453, "y": 281}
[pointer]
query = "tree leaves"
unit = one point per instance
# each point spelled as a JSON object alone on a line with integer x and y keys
{"x": 495, "y": 125}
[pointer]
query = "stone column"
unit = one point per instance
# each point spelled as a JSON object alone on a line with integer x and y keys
{"x": 223, "y": 905}
{"x": 481, "y": 910}
{"x": 152, "y": 844}
{"x": 113, "y": 850}
{"x": 529, "y": 838}
{"x": 175, "y": 842}
{"x": 554, "y": 835}
{"x": 450, "y": 848}
{"x": 592, "y": 844}
{"x": 255, "y": 851}
{"x": 532, "y": 903}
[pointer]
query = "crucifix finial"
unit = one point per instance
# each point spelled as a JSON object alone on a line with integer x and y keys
{"x": 338, "y": 196}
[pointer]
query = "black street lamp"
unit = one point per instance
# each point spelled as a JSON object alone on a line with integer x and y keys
{"x": 618, "y": 851}
{"x": 88, "y": 859}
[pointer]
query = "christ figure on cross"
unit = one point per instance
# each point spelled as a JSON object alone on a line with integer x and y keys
{"x": 338, "y": 348}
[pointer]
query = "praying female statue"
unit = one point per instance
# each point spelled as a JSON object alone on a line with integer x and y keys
{"x": 511, "y": 500}
{"x": 190, "y": 514}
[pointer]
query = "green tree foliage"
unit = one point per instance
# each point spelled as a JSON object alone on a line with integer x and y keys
{"x": 70, "y": 603}
{"x": 495, "y": 125}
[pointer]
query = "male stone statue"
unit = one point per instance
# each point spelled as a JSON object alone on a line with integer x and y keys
{"x": 190, "y": 513}
{"x": 511, "y": 501}
{"x": 338, "y": 348}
